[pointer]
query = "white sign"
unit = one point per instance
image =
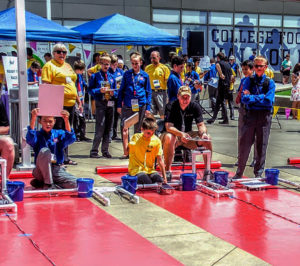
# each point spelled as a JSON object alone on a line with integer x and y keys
{"x": 204, "y": 63}
{"x": 10, "y": 64}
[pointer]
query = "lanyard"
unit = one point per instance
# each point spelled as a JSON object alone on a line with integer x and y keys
{"x": 183, "y": 122}
{"x": 135, "y": 82}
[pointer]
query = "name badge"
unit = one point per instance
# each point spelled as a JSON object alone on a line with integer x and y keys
{"x": 105, "y": 84}
{"x": 80, "y": 94}
{"x": 156, "y": 84}
{"x": 68, "y": 80}
{"x": 110, "y": 103}
{"x": 119, "y": 78}
{"x": 135, "y": 105}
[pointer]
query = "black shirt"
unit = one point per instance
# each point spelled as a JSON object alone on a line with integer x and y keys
{"x": 183, "y": 120}
{"x": 227, "y": 72}
{"x": 3, "y": 116}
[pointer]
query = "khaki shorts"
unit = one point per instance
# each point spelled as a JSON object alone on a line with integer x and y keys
{"x": 192, "y": 145}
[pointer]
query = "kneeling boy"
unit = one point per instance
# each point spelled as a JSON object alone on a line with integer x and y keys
{"x": 144, "y": 148}
{"x": 48, "y": 145}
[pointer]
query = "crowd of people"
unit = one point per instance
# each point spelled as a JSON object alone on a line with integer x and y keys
{"x": 168, "y": 91}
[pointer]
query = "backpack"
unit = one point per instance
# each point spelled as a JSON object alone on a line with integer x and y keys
{"x": 265, "y": 85}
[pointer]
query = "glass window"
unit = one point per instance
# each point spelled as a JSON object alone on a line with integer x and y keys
{"x": 173, "y": 29}
{"x": 220, "y": 18}
{"x": 220, "y": 40}
{"x": 164, "y": 15}
{"x": 196, "y": 17}
{"x": 291, "y": 22}
{"x": 245, "y": 19}
{"x": 270, "y": 46}
{"x": 270, "y": 20}
{"x": 200, "y": 38}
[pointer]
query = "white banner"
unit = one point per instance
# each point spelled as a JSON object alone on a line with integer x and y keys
{"x": 10, "y": 64}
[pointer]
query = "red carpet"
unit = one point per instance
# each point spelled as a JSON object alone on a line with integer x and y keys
{"x": 73, "y": 231}
{"x": 261, "y": 233}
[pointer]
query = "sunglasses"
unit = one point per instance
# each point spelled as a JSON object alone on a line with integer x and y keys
{"x": 61, "y": 52}
{"x": 259, "y": 66}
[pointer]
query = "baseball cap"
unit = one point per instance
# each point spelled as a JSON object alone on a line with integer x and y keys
{"x": 184, "y": 90}
{"x": 231, "y": 57}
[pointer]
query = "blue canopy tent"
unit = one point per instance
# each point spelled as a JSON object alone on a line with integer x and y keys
{"x": 121, "y": 30}
{"x": 37, "y": 28}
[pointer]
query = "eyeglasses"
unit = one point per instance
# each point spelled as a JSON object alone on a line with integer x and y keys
{"x": 259, "y": 66}
{"x": 61, "y": 52}
{"x": 105, "y": 64}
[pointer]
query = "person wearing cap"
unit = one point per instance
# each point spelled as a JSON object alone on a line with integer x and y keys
{"x": 178, "y": 125}
{"x": 234, "y": 66}
{"x": 159, "y": 75}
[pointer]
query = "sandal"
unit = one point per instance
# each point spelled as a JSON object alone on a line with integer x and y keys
{"x": 70, "y": 162}
{"x": 123, "y": 157}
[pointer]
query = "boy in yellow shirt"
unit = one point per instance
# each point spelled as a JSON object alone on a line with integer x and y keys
{"x": 144, "y": 148}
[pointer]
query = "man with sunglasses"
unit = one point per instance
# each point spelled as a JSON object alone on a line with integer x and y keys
{"x": 258, "y": 96}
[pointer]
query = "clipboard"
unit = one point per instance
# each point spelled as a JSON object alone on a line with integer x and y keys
{"x": 199, "y": 139}
{"x": 130, "y": 121}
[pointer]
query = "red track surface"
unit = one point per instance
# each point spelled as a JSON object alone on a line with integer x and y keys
{"x": 265, "y": 235}
{"x": 73, "y": 231}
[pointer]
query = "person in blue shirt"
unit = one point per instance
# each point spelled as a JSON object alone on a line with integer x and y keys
{"x": 258, "y": 96}
{"x": 212, "y": 83}
{"x": 102, "y": 87}
{"x": 134, "y": 96}
{"x": 32, "y": 76}
{"x": 79, "y": 123}
{"x": 117, "y": 73}
{"x": 251, "y": 57}
{"x": 192, "y": 79}
{"x": 48, "y": 145}
{"x": 175, "y": 82}
{"x": 234, "y": 66}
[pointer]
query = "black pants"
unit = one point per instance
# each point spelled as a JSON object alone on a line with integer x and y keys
{"x": 230, "y": 104}
{"x": 79, "y": 124}
{"x": 144, "y": 178}
{"x": 60, "y": 124}
{"x": 116, "y": 120}
{"x": 222, "y": 95}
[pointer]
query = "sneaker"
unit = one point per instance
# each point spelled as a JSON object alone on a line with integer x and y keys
{"x": 236, "y": 177}
{"x": 116, "y": 138}
{"x": 210, "y": 121}
{"x": 106, "y": 155}
{"x": 86, "y": 139}
{"x": 36, "y": 183}
{"x": 208, "y": 175}
{"x": 252, "y": 163}
{"x": 169, "y": 176}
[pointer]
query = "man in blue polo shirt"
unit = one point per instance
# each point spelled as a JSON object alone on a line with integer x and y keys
{"x": 134, "y": 96}
{"x": 32, "y": 76}
{"x": 258, "y": 96}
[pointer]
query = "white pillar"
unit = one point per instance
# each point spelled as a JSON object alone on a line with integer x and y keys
{"x": 22, "y": 73}
{"x": 48, "y": 9}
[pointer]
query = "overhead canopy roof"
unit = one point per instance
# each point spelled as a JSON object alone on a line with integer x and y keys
{"x": 121, "y": 30}
{"x": 37, "y": 28}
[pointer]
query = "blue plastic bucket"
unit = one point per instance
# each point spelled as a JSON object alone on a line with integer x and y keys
{"x": 272, "y": 176}
{"x": 221, "y": 177}
{"x": 129, "y": 183}
{"x": 188, "y": 181}
{"x": 15, "y": 190}
{"x": 85, "y": 187}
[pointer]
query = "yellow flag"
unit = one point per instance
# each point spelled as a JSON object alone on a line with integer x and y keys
{"x": 276, "y": 108}
{"x": 15, "y": 46}
{"x": 298, "y": 114}
{"x": 178, "y": 49}
{"x": 71, "y": 47}
{"x": 129, "y": 47}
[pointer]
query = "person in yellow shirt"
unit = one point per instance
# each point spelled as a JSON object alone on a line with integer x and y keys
{"x": 269, "y": 72}
{"x": 159, "y": 74}
{"x": 58, "y": 72}
{"x": 144, "y": 148}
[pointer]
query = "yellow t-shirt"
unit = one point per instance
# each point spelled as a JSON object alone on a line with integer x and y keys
{"x": 142, "y": 154}
{"x": 269, "y": 73}
{"x": 182, "y": 74}
{"x": 30, "y": 61}
{"x": 95, "y": 68}
{"x": 2, "y": 73}
{"x": 232, "y": 83}
{"x": 61, "y": 74}
{"x": 160, "y": 73}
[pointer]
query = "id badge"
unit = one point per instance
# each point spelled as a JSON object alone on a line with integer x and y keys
{"x": 110, "y": 103}
{"x": 53, "y": 158}
{"x": 135, "y": 105}
{"x": 68, "y": 80}
{"x": 105, "y": 84}
{"x": 156, "y": 84}
{"x": 80, "y": 94}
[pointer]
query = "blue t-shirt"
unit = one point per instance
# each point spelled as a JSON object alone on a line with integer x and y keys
{"x": 135, "y": 86}
{"x": 173, "y": 84}
{"x": 258, "y": 99}
{"x": 56, "y": 141}
{"x": 212, "y": 73}
{"x": 31, "y": 76}
{"x": 194, "y": 76}
{"x": 118, "y": 76}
